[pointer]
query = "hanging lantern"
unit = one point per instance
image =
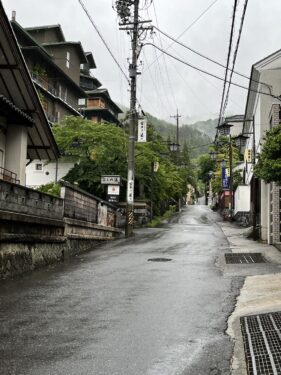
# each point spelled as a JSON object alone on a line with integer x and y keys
{"x": 241, "y": 140}
{"x": 224, "y": 128}
{"x": 213, "y": 155}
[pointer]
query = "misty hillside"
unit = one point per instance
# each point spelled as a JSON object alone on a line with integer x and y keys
{"x": 207, "y": 127}
{"x": 195, "y": 139}
{"x": 197, "y": 135}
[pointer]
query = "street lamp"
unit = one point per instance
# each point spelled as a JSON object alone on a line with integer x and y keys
{"x": 213, "y": 155}
{"x": 240, "y": 140}
{"x": 174, "y": 147}
{"x": 224, "y": 128}
{"x": 223, "y": 163}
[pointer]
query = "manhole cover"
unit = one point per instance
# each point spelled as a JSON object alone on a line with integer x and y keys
{"x": 262, "y": 343}
{"x": 159, "y": 260}
{"x": 244, "y": 258}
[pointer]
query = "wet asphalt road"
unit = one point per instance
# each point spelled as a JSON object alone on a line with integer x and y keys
{"x": 113, "y": 312}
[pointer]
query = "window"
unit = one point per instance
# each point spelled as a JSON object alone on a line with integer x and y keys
{"x": 57, "y": 116}
{"x": 59, "y": 91}
{"x": 1, "y": 158}
{"x": 39, "y": 167}
{"x": 65, "y": 95}
{"x": 67, "y": 59}
{"x": 82, "y": 102}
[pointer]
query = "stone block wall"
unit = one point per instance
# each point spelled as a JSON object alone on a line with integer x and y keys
{"x": 275, "y": 191}
{"x": 22, "y": 200}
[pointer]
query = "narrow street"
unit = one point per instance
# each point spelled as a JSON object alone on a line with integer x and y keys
{"x": 114, "y": 311}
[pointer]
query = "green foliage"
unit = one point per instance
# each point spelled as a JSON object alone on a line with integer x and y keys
{"x": 101, "y": 149}
{"x": 159, "y": 219}
{"x": 51, "y": 188}
{"x": 268, "y": 167}
{"x": 205, "y": 166}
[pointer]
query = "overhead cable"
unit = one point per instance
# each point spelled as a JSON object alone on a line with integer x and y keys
{"x": 228, "y": 60}
{"x": 199, "y": 53}
{"x": 235, "y": 55}
{"x": 165, "y": 62}
{"x": 103, "y": 40}
{"x": 185, "y": 30}
{"x": 209, "y": 73}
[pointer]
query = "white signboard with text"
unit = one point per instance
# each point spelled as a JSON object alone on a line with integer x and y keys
{"x": 111, "y": 180}
{"x": 142, "y": 130}
{"x": 130, "y": 191}
{"x": 113, "y": 189}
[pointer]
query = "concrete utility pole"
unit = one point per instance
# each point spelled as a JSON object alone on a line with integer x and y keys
{"x": 132, "y": 126}
{"x": 128, "y": 11}
{"x": 177, "y": 117}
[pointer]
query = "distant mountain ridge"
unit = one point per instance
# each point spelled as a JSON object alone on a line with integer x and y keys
{"x": 197, "y": 140}
{"x": 197, "y": 136}
{"x": 207, "y": 127}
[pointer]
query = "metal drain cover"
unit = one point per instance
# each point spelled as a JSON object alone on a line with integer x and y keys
{"x": 159, "y": 260}
{"x": 262, "y": 343}
{"x": 244, "y": 258}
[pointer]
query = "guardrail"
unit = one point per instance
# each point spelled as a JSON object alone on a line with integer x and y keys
{"x": 7, "y": 175}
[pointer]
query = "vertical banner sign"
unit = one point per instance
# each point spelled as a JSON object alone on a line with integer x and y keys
{"x": 225, "y": 179}
{"x": 142, "y": 130}
{"x": 130, "y": 192}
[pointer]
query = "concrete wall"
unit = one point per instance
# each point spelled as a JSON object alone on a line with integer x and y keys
{"x": 59, "y": 53}
{"x": 37, "y": 229}
{"x": 21, "y": 200}
{"x": 19, "y": 258}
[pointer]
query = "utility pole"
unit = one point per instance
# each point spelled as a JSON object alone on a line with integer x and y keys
{"x": 177, "y": 149}
{"x": 230, "y": 180}
{"x": 177, "y": 117}
{"x": 128, "y": 11}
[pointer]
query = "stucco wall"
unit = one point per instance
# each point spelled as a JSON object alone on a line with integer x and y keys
{"x": 36, "y": 178}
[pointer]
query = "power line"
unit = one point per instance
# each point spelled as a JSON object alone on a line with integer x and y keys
{"x": 228, "y": 59}
{"x": 235, "y": 55}
{"x": 185, "y": 30}
{"x": 165, "y": 62}
{"x": 103, "y": 40}
{"x": 199, "y": 53}
{"x": 210, "y": 74}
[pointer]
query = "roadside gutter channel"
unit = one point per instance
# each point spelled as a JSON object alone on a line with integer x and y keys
{"x": 260, "y": 294}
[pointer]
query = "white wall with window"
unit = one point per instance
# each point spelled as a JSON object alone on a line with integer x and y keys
{"x": 41, "y": 172}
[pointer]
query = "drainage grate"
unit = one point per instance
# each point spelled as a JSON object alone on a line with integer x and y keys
{"x": 262, "y": 343}
{"x": 159, "y": 260}
{"x": 244, "y": 258}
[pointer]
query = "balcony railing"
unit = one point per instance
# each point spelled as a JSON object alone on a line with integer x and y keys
{"x": 9, "y": 176}
{"x": 52, "y": 90}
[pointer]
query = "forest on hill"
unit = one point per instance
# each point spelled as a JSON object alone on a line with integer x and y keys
{"x": 193, "y": 135}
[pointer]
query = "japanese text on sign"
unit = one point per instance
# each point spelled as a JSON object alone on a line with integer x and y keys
{"x": 110, "y": 180}
{"x": 142, "y": 130}
{"x": 130, "y": 191}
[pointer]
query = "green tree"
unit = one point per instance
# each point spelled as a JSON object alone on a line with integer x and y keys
{"x": 98, "y": 149}
{"x": 101, "y": 149}
{"x": 268, "y": 167}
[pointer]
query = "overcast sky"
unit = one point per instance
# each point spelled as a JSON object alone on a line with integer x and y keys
{"x": 167, "y": 85}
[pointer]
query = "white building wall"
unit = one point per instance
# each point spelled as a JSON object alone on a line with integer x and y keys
{"x": 36, "y": 177}
{"x": 242, "y": 199}
{"x": 15, "y": 151}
